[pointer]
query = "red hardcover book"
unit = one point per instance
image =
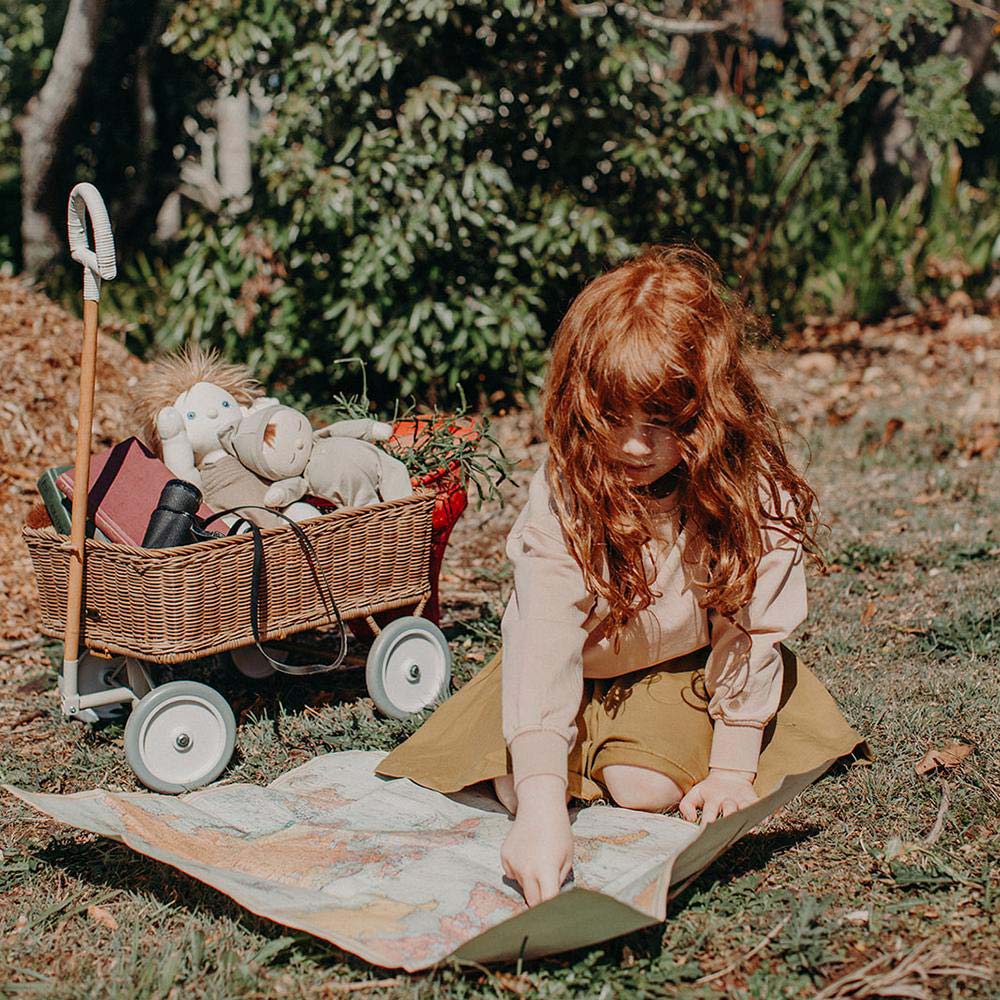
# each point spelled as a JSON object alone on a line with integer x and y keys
{"x": 125, "y": 485}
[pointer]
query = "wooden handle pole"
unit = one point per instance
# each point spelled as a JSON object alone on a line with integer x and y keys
{"x": 81, "y": 480}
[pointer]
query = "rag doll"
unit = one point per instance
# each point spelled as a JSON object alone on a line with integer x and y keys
{"x": 189, "y": 400}
{"x": 338, "y": 462}
{"x": 214, "y": 428}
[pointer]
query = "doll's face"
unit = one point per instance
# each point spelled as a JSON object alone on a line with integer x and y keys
{"x": 207, "y": 410}
{"x": 287, "y": 445}
{"x": 646, "y": 447}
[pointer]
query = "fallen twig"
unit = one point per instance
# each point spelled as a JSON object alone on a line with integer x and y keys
{"x": 12, "y": 646}
{"x": 911, "y": 974}
{"x": 472, "y": 596}
{"x": 756, "y": 950}
{"x": 938, "y": 827}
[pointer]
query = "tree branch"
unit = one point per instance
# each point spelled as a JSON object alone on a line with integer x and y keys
{"x": 646, "y": 18}
{"x": 978, "y": 8}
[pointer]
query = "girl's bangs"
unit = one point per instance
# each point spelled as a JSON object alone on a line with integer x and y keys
{"x": 639, "y": 374}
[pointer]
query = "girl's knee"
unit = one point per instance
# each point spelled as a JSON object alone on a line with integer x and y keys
{"x": 634, "y": 787}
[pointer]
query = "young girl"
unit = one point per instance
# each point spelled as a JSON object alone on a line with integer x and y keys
{"x": 658, "y": 566}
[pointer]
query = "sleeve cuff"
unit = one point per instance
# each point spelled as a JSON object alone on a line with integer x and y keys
{"x": 735, "y": 748}
{"x": 538, "y": 751}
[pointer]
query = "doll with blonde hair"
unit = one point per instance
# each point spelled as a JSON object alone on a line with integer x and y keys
{"x": 658, "y": 568}
{"x": 189, "y": 403}
{"x": 214, "y": 428}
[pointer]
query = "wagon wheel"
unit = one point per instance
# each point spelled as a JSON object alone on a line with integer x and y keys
{"x": 180, "y": 736}
{"x": 409, "y": 667}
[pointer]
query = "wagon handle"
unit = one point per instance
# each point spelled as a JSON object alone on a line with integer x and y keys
{"x": 98, "y": 263}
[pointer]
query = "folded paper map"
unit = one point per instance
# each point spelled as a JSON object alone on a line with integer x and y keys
{"x": 402, "y": 876}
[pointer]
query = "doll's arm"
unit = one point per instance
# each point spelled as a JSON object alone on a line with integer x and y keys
{"x": 364, "y": 429}
{"x": 178, "y": 455}
{"x": 285, "y": 491}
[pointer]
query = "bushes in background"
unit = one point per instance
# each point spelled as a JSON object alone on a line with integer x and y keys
{"x": 435, "y": 179}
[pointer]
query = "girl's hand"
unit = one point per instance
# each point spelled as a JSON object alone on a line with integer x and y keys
{"x": 720, "y": 794}
{"x": 538, "y": 851}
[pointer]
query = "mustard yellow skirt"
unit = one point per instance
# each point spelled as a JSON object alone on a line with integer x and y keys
{"x": 655, "y": 718}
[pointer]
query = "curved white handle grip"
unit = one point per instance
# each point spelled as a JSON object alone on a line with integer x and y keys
{"x": 100, "y": 262}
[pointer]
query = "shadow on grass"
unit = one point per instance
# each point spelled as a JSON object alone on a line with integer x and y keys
{"x": 750, "y": 854}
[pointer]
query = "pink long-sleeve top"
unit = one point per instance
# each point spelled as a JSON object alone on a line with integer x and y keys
{"x": 554, "y": 636}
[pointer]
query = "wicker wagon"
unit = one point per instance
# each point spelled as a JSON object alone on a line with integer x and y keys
{"x": 121, "y": 609}
{"x": 144, "y": 607}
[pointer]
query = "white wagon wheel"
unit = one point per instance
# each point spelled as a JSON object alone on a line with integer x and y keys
{"x": 409, "y": 667}
{"x": 180, "y": 736}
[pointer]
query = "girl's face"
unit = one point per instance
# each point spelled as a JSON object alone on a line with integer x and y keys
{"x": 646, "y": 447}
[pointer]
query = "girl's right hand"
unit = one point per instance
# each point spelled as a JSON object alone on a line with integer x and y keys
{"x": 538, "y": 851}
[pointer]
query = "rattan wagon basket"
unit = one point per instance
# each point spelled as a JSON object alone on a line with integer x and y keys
{"x": 173, "y": 605}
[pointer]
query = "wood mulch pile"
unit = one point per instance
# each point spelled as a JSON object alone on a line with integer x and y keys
{"x": 40, "y": 347}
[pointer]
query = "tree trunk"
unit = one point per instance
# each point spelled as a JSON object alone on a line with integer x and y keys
{"x": 135, "y": 200}
{"x": 42, "y": 127}
{"x": 767, "y": 22}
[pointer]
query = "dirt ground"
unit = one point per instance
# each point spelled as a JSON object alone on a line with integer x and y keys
{"x": 882, "y": 874}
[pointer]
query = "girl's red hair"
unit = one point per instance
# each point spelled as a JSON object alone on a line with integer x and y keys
{"x": 662, "y": 334}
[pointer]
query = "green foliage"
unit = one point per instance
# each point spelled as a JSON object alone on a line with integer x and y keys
{"x": 862, "y": 556}
{"x": 930, "y": 242}
{"x": 935, "y": 101}
{"x": 455, "y": 440}
{"x": 101, "y": 141}
{"x": 436, "y": 179}
{"x": 971, "y": 633}
{"x": 24, "y": 58}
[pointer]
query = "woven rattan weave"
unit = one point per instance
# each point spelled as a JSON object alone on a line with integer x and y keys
{"x": 172, "y": 605}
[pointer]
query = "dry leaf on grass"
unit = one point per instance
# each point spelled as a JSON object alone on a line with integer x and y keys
{"x": 892, "y": 427}
{"x": 869, "y": 613}
{"x": 31, "y": 716}
{"x": 101, "y": 916}
{"x": 947, "y": 756}
{"x": 518, "y": 985}
{"x": 983, "y": 442}
{"x": 363, "y": 985}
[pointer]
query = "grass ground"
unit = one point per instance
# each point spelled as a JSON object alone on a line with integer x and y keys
{"x": 872, "y": 868}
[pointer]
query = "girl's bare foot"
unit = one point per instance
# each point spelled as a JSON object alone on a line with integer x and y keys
{"x": 504, "y": 788}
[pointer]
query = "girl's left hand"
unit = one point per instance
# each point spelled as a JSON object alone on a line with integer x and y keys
{"x": 720, "y": 794}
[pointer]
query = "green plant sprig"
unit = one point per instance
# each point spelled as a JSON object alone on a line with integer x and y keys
{"x": 477, "y": 457}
